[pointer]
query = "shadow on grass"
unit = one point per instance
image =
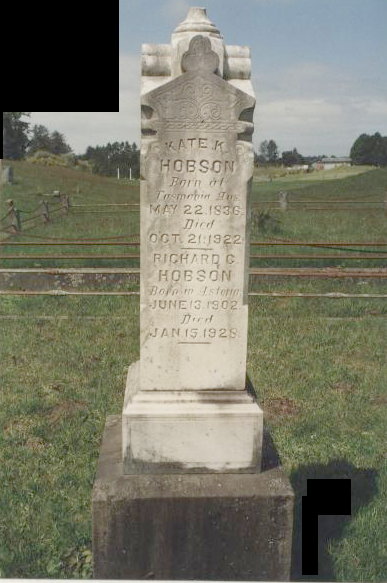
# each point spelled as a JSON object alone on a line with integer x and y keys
{"x": 363, "y": 489}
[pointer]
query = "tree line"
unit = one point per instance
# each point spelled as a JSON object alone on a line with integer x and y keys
{"x": 369, "y": 150}
{"x": 269, "y": 154}
{"x": 122, "y": 155}
{"x": 20, "y": 141}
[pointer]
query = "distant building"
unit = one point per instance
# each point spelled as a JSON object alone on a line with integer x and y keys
{"x": 329, "y": 163}
{"x": 298, "y": 168}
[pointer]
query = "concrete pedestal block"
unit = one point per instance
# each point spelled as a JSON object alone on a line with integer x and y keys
{"x": 190, "y": 526}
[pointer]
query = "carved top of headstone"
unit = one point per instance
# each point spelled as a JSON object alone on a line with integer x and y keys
{"x": 198, "y": 21}
{"x": 164, "y": 62}
{"x": 200, "y": 56}
{"x": 199, "y": 98}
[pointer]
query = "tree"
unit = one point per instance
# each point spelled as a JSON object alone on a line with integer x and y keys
{"x": 106, "y": 159}
{"x": 15, "y": 134}
{"x": 272, "y": 152}
{"x": 370, "y": 150}
{"x": 42, "y": 140}
{"x": 264, "y": 150}
{"x": 291, "y": 157}
{"x": 58, "y": 144}
{"x": 268, "y": 152}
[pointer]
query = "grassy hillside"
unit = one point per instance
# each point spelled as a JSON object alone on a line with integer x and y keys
{"x": 363, "y": 182}
{"x": 280, "y": 174}
{"x": 295, "y": 224}
{"x": 33, "y": 182}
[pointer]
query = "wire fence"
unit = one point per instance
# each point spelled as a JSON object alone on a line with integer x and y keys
{"x": 285, "y": 294}
{"x": 287, "y": 202}
{"x": 352, "y": 249}
{"x": 315, "y": 272}
{"x": 17, "y": 218}
{"x": 13, "y": 221}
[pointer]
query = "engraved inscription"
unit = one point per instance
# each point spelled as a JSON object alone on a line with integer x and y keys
{"x": 193, "y": 229}
{"x": 203, "y": 166}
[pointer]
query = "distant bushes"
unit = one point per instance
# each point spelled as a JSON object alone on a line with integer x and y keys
{"x": 370, "y": 150}
{"x": 48, "y": 159}
{"x": 69, "y": 160}
{"x": 83, "y": 165}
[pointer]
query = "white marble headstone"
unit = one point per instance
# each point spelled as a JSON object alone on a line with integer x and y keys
{"x": 196, "y": 167}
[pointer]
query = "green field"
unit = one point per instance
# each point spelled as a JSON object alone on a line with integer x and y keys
{"x": 318, "y": 366}
{"x": 297, "y": 224}
{"x": 281, "y": 174}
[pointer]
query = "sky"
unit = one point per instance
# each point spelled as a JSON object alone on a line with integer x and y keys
{"x": 318, "y": 69}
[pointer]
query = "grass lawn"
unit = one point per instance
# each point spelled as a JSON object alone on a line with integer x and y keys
{"x": 318, "y": 366}
{"x": 300, "y": 225}
{"x": 270, "y": 173}
{"x": 319, "y": 369}
{"x": 93, "y": 190}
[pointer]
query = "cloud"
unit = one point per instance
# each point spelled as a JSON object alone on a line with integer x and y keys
{"x": 130, "y": 76}
{"x": 317, "y": 108}
{"x": 311, "y": 106}
{"x": 87, "y": 128}
{"x": 274, "y": 1}
{"x": 175, "y": 10}
{"x": 316, "y": 126}
{"x": 376, "y": 107}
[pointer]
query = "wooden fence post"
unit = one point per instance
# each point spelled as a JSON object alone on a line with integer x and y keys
{"x": 65, "y": 202}
{"x": 14, "y": 216}
{"x": 45, "y": 212}
{"x": 283, "y": 200}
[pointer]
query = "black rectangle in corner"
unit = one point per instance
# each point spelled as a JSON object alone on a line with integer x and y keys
{"x": 75, "y": 63}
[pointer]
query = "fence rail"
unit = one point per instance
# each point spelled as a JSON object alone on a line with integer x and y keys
{"x": 137, "y": 256}
{"x": 315, "y": 272}
{"x": 253, "y": 243}
{"x": 45, "y": 210}
{"x": 56, "y": 292}
{"x": 16, "y": 218}
{"x": 285, "y": 202}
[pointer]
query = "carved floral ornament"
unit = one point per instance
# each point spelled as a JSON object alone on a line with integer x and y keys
{"x": 200, "y": 56}
{"x": 199, "y": 97}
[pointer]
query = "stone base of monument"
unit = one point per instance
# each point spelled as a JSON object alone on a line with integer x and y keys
{"x": 190, "y": 526}
{"x": 190, "y": 431}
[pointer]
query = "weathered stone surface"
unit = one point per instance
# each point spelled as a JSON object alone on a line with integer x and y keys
{"x": 194, "y": 244}
{"x": 7, "y": 175}
{"x": 190, "y": 526}
{"x": 186, "y": 405}
{"x": 194, "y": 431}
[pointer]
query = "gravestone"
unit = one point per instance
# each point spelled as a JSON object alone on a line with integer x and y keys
{"x": 197, "y": 163}
{"x": 188, "y": 408}
{"x": 7, "y": 175}
{"x": 283, "y": 200}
